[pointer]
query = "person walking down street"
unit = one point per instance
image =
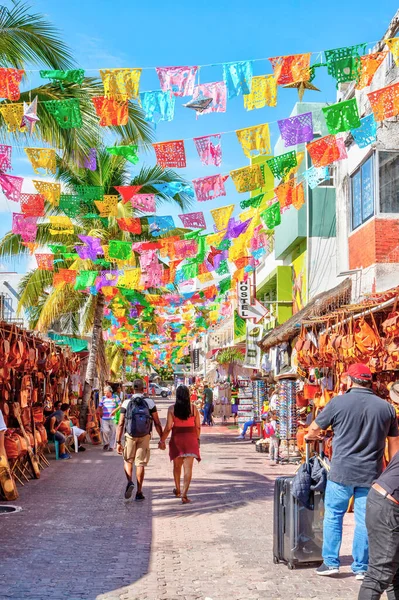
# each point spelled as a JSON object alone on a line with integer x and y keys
{"x": 361, "y": 422}
{"x": 208, "y": 405}
{"x": 52, "y": 424}
{"x": 137, "y": 414}
{"x": 108, "y": 406}
{"x": 184, "y": 421}
{"x": 382, "y": 521}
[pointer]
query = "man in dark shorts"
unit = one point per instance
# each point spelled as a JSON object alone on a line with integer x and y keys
{"x": 361, "y": 422}
{"x": 208, "y": 403}
{"x": 52, "y": 423}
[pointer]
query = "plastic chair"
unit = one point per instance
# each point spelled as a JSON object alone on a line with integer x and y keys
{"x": 258, "y": 427}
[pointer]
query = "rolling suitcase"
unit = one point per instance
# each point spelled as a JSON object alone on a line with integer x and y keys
{"x": 298, "y": 531}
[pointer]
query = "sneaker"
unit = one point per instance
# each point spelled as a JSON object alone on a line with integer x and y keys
{"x": 140, "y": 497}
{"x": 105, "y": 448}
{"x": 360, "y": 575}
{"x": 64, "y": 456}
{"x": 81, "y": 449}
{"x": 240, "y": 437}
{"x": 326, "y": 571}
{"x": 129, "y": 490}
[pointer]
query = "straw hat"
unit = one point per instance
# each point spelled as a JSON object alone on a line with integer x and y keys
{"x": 394, "y": 392}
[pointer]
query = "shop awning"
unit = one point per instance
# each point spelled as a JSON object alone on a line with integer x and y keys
{"x": 212, "y": 353}
{"x": 320, "y": 305}
{"x": 76, "y": 344}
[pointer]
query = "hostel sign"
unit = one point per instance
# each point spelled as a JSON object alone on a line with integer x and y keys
{"x": 249, "y": 308}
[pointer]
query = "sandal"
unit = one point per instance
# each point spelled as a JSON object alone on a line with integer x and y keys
{"x": 176, "y": 493}
{"x": 185, "y": 500}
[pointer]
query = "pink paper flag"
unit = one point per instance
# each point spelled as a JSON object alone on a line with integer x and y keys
{"x": 144, "y": 202}
{"x": 24, "y": 226}
{"x": 209, "y": 149}
{"x": 194, "y": 220}
{"x": 178, "y": 80}
{"x": 11, "y": 186}
{"x": 207, "y": 188}
{"x": 217, "y": 91}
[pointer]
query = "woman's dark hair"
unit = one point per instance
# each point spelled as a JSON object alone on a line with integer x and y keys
{"x": 182, "y": 408}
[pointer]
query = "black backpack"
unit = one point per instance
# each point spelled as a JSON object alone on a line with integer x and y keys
{"x": 138, "y": 418}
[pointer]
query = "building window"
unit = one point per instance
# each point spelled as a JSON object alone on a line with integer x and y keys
{"x": 362, "y": 193}
{"x": 389, "y": 181}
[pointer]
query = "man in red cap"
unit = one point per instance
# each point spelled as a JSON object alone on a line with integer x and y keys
{"x": 361, "y": 422}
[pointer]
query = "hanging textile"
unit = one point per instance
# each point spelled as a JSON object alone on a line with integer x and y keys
{"x": 72, "y": 76}
{"x": 11, "y": 186}
{"x": 130, "y": 224}
{"x": 25, "y": 226}
{"x": 128, "y": 152}
{"x": 174, "y": 187}
{"x": 254, "y": 202}
{"x": 5, "y": 157}
{"x": 208, "y": 188}
{"x": 247, "y": 179}
{"x": 121, "y": 84}
{"x": 108, "y": 207}
{"x": 92, "y": 247}
{"x": 255, "y": 140}
{"x": 281, "y": 165}
{"x": 120, "y": 250}
{"x": 90, "y": 161}
{"x": 42, "y": 158}
{"x": 263, "y": 92}
{"x": 9, "y": 83}
{"x": 45, "y": 262}
{"x": 366, "y": 134}
{"x": 217, "y": 91}
{"x": 158, "y": 106}
{"x": 344, "y": 63}
{"x": 32, "y": 205}
{"x": 130, "y": 279}
{"x": 385, "y": 102}
{"x": 13, "y": 115}
{"x": 209, "y": 148}
{"x": 61, "y": 226}
{"x": 316, "y": 175}
{"x": 90, "y": 192}
{"x": 85, "y": 279}
{"x": 342, "y": 116}
{"x": 65, "y": 112}
{"x": 110, "y": 111}
{"x": 67, "y": 276}
{"x": 127, "y": 191}
{"x": 393, "y": 45}
{"x": 368, "y": 67}
{"x": 296, "y": 130}
{"x": 290, "y": 69}
{"x": 178, "y": 80}
{"x": 326, "y": 150}
{"x": 238, "y": 78}
{"x": 160, "y": 225}
{"x": 144, "y": 202}
{"x": 170, "y": 154}
{"x": 221, "y": 216}
{"x": 29, "y": 117}
{"x": 194, "y": 220}
{"x": 70, "y": 204}
{"x": 272, "y": 216}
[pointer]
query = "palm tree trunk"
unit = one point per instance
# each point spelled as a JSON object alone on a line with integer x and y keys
{"x": 92, "y": 362}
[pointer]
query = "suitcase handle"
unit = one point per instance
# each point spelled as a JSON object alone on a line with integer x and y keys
{"x": 307, "y": 449}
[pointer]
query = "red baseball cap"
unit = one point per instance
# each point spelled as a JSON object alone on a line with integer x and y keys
{"x": 359, "y": 371}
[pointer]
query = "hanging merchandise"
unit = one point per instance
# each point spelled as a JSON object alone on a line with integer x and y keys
{"x": 45, "y": 262}
{"x": 209, "y": 149}
{"x": 272, "y": 216}
{"x": 281, "y": 165}
{"x": 217, "y": 91}
{"x": 110, "y": 111}
{"x": 128, "y": 152}
{"x": 61, "y": 226}
{"x": 29, "y": 116}
{"x": 85, "y": 279}
{"x": 144, "y": 202}
{"x": 238, "y": 78}
{"x": 42, "y": 158}
{"x": 178, "y": 80}
{"x": 287, "y": 418}
{"x": 259, "y": 397}
{"x": 342, "y": 116}
{"x": 73, "y": 76}
{"x": 128, "y": 191}
{"x": 5, "y": 157}
{"x": 208, "y": 188}
{"x": 221, "y": 216}
{"x": 366, "y": 134}
{"x": 255, "y": 140}
{"x": 344, "y": 63}
{"x": 120, "y": 250}
{"x": 9, "y": 83}
{"x": 158, "y": 106}
{"x": 245, "y": 402}
{"x": 132, "y": 225}
{"x": 393, "y": 45}
{"x": 11, "y": 186}
{"x": 316, "y": 175}
{"x": 368, "y": 67}
{"x": 385, "y": 102}
{"x": 13, "y": 115}
{"x": 296, "y": 130}
{"x": 160, "y": 225}
{"x": 108, "y": 207}
{"x": 25, "y": 226}
{"x": 326, "y": 150}
{"x": 247, "y": 179}
{"x": 121, "y": 84}
{"x": 90, "y": 161}
{"x": 66, "y": 112}
{"x": 170, "y": 154}
{"x": 194, "y": 220}
{"x": 263, "y": 92}
{"x": 32, "y": 205}
{"x": 290, "y": 69}
{"x": 67, "y": 276}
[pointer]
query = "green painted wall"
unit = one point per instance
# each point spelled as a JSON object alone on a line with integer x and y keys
{"x": 277, "y": 287}
{"x": 322, "y": 212}
{"x": 290, "y": 232}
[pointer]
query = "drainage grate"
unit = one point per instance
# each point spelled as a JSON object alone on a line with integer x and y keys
{"x": 8, "y": 509}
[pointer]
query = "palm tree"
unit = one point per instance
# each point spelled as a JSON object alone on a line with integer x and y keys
{"x": 45, "y": 305}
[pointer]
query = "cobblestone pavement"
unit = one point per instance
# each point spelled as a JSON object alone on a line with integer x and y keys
{"x": 78, "y": 539}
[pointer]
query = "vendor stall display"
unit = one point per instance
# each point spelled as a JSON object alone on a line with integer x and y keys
{"x": 259, "y": 396}
{"x": 245, "y": 402}
{"x": 286, "y": 417}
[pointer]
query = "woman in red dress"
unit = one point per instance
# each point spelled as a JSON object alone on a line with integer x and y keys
{"x": 184, "y": 422}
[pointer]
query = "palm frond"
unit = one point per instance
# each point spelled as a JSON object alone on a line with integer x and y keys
{"x": 32, "y": 288}
{"x": 148, "y": 176}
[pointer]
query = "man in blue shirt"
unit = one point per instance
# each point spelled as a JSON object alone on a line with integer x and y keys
{"x": 108, "y": 406}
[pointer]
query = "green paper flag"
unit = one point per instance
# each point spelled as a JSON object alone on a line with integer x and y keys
{"x": 70, "y": 205}
{"x": 344, "y": 63}
{"x": 254, "y": 202}
{"x": 190, "y": 270}
{"x": 57, "y": 248}
{"x": 224, "y": 285}
{"x": 72, "y": 76}
{"x": 240, "y": 326}
{"x": 128, "y": 152}
{"x": 85, "y": 279}
{"x": 66, "y": 112}
{"x": 223, "y": 268}
{"x": 342, "y": 116}
{"x": 120, "y": 250}
{"x": 90, "y": 192}
{"x": 272, "y": 216}
{"x": 281, "y": 165}
{"x": 224, "y": 245}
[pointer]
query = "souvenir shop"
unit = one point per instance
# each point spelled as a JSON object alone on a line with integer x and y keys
{"x": 34, "y": 375}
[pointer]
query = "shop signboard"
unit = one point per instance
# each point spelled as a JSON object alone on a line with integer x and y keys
{"x": 252, "y": 350}
{"x": 243, "y": 298}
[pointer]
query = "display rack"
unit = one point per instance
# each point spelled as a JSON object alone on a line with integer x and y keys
{"x": 245, "y": 402}
{"x": 286, "y": 409}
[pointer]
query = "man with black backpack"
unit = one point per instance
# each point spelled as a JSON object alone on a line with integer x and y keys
{"x": 136, "y": 416}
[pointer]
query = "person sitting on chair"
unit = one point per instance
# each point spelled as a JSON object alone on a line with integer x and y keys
{"x": 52, "y": 424}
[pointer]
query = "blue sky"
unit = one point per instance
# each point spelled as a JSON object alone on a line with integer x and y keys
{"x": 105, "y": 34}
